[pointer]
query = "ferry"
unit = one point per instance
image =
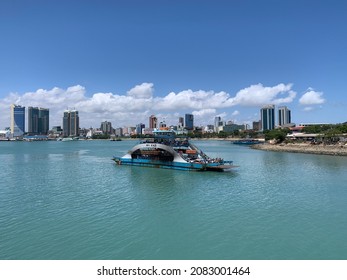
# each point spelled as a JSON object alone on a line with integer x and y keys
{"x": 167, "y": 150}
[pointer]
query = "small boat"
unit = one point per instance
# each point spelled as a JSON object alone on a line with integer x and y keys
{"x": 167, "y": 150}
{"x": 246, "y": 142}
{"x": 66, "y": 139}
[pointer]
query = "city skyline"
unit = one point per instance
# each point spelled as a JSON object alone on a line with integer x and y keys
{"x": 125, "y": 60}
{"x": 37, "y": 121}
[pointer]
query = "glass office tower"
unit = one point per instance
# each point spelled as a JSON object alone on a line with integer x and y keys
{"x": 267, "y": 114}
{"x": 17, "y": 120}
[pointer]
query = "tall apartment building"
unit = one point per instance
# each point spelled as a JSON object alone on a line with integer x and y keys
{"x": 284, "y": 116}
{"x": 139, "y": 128}
{"x": 106, "y": 127}
{"x": 267, "y": 114}
{"x": 17, "y": 120}
{"x": 153, "y": 122}
{"x": 71, "y": 123}
{"x": 38, "y": 120}
{"x": 189, "y": 121}
{"x": 218, "y": 124}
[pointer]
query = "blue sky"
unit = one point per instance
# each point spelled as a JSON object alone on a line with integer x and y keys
{"x": 122, "y": 61}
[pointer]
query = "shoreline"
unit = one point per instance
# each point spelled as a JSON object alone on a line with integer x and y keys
{"x": 332, "y": 150}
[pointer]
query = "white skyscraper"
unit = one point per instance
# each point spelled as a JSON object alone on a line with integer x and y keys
{"x": 284, "y": 116}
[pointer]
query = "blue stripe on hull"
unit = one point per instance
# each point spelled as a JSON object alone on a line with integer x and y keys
{"x": 161, "y": 164}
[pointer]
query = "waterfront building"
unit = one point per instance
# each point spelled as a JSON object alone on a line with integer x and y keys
{"x": 147, "y": 131}
{"x": 56, "y": 131}
{"x": 17, "y": 120}
{"x": 209, "y": 128}
{"x": 313, "y": 124}
{"x": 257, "y": 126}
{"x": 139, "y": 128}
{"x": 119, "y": 132}
{"x": 217, "y": 121}
{"x": 181, "y": 121}
{"x": 106, "y": 127}
{"x": 284, "y": 116}
{"x": 189, "y": 121}
{"x": 153, "y": 122}
{"x": 38, "y": 121}
{"x": 71, "y": 123}
{"x": 5, "y": 134}
{"x": 126, "y": 131}
{"x": 267, "y": 114}
{"x": 233, "y": 127}
{"x": 218, "y": 124}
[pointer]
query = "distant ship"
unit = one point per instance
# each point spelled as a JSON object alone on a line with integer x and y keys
{"x": 167, "y": 150}
{"x": 66, "y": 139}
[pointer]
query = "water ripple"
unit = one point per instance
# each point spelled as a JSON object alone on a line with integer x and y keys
{"x": 70, "y": 201}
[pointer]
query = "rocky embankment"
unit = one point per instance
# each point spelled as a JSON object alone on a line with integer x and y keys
{"x": 335, "y": 150}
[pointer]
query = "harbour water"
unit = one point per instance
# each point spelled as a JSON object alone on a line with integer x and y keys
{"x": 68, "y": 200}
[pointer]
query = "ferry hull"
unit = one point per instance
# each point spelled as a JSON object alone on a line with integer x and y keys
{"x": 161, "y": 164}
{"x": 174, "y": 165}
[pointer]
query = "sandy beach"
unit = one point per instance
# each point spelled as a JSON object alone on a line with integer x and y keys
{"x": 335, "y": 150}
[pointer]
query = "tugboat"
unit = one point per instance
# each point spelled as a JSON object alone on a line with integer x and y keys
{"x": 167, "y": 150}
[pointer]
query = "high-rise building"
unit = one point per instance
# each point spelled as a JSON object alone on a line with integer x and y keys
{"x": 71, "y": 122}
{"x": 284, "y": 116}
{"x": 17, "y": 120}
{"x": 217, "y": 120}
{"x": 106, "y": 127}
{"x": 267, "y": 114}
{"x": 139, "y": 128}
{"x": 189, "y": 121}
{"x": 180, "y": 121}
{"x": 38, "y": 120}
{"x": 153, "y": 122}
{"x": 218, "y": 124}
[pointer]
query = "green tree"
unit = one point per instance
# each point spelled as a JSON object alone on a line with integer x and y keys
{"x": 277, "y": 134}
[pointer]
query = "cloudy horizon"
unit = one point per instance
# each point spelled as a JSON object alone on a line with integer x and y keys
{"x": 122, "y": 61}
{"x": 138, "y": 103}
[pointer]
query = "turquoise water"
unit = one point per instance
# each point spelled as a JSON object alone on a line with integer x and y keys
{"x": 67, "y": 200}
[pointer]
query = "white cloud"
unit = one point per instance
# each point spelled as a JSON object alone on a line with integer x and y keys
{"x": 204, "y": 112}
{"x": 312, "y": 97}
{"x": 258, "y": 95}
{"x": 145, "y": 90}
{"x": 56, "y": 99}
{"x": 139, "y": 102}
{"x": 194, "y": 100}
{"x": 204, "y": 116}
{"x": 235, "y": 113}
{"x": 307, "y": 109}
{"x": 223, "y": 115}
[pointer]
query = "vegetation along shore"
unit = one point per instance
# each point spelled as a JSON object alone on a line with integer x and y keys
{"x": 321, "y": 149}
{"x": 315, "y": 139}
